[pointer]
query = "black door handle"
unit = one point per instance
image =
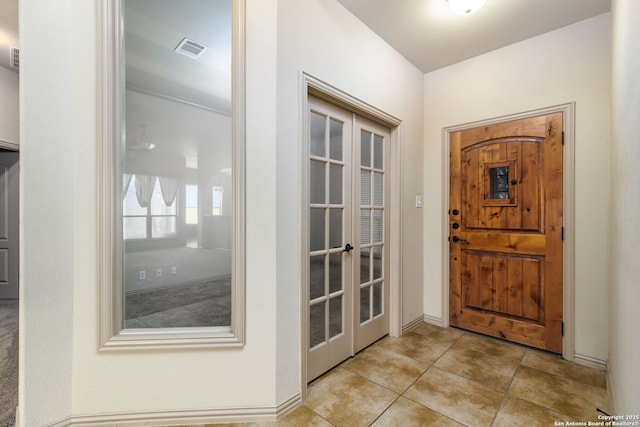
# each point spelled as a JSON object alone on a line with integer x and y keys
{"x": 347, "y": 248}
{"x": 457, "y": 239}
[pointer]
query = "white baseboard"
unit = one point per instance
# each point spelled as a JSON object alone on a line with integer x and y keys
{"x": 611, "y": 393}
{"x": 591, "y": 362}
{"x": 409, "y": 326}
{"x": 288, "y": 406}
{"x": 189, "y": 417}
{"x": 437, "y": 321}
{"x": 432, "y": 320}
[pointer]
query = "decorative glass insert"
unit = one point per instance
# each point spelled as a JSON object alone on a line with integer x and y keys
{"x": 499, "y": 183}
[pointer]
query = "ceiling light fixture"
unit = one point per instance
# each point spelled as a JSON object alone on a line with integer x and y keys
{"x": 465, "y": 7}
{"x": 143, "y": 141}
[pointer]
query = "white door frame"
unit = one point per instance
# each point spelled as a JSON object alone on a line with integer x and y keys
{"x": 568, "y": 188}
{"x": 310, "y": 85}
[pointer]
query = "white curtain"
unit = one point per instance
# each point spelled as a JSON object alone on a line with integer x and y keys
{"x": 144, "y": 189}
{"x": 126, "y": 180}
{"x": 169, "y": 188}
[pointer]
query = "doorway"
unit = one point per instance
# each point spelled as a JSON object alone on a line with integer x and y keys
{"x": 347, "y": 287}
{"x": 506, "y": 230}
{"x": 9, "y": 241}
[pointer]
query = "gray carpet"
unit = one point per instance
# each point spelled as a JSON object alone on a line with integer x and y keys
{"x": 207, "y": 303}
{"x": 8, "y": 361}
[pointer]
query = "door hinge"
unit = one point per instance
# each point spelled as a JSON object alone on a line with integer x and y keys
{"x": 562, "y": 233}
{"x": 562, "y": 328}
{"x": 562, "y": 137}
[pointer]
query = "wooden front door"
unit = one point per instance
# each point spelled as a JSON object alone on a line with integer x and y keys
{"x": 505, "y": 222}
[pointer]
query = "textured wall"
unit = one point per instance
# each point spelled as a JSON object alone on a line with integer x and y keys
{"x": 624, "y": 334}
{"x": 569, "y": 64}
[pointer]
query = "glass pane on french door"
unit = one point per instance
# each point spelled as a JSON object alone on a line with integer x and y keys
{"x": 347, "y": 290}
{"x": 372, "y": 224}
{"x": 326, "y": 228}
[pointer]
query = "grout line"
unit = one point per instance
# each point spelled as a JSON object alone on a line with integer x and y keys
{"x": 506, "y": 390}
{"x": 432, "y": 365}
{"x": 386, "y": 409}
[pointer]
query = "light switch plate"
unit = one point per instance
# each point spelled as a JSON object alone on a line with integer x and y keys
{"x": 418, "y": 201}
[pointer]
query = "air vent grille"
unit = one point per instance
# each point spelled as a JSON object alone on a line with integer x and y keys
{"x": 14, "y": 58}
{"x": 190, "y": 48}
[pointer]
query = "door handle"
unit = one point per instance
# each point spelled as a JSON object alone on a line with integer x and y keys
{"x": 347, "y": 248}
{"x": 457, "y": 239}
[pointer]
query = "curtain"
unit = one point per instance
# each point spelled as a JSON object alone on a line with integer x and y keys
{"x": 126, "y": 180}
{"x": 144, "y": 189}
{"x": 169, "y": 188}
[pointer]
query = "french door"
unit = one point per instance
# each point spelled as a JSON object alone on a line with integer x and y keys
{"x": 347, "y": 287}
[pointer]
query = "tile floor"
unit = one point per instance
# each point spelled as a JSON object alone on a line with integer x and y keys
{"x": 448, "y": 377}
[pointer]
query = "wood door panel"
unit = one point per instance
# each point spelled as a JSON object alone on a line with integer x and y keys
{"x": 533, "y": 243}
{"x": 527, "y": 333}
{"x": 523, "y": 209}
{"x": 503, "y": 284}
{"x": 533, "y": 127}
{"x": 506, "y": 231}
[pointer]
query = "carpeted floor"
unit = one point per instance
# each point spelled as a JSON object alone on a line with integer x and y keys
{"x": 8, "y": 361}
{"x": 206, "y": 303}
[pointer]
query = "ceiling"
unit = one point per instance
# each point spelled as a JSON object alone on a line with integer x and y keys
{"x": 426, "y": 32}
{"x": 429, "y": 35}
{"x": 153, "y": 29}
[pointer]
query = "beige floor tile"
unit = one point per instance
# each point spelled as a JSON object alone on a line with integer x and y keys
{"x": 561, "y": 394}
{"x": 346, "y": 399}
{"x": 517, "y": 412}
{"x": 491, "y": 346}
{"x": 416, "y": 346}
{"x": 455, "y": 397}
{"x": 302, "y": 416}
{"x": 489, "y": 362}
{"x": 407, "y": 413}
{"x": 387, "y": 368}
{"x": 558, "y": 366}
{"x": 438, "y": 333}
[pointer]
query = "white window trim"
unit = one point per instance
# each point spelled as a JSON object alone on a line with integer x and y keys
{"x": 110, "y": 97}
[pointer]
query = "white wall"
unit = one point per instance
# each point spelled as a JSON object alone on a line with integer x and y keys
{"x": 54, "y": 140}
{"x": 62, "y": 372}
{"x": 323, "y": 39}
{"x": 9, "y": 108}
{"x": 569, "y": 64}
{"x": 624, "y": 334}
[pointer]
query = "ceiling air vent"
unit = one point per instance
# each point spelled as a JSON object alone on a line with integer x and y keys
{"x": 190, "y": 48}
{"x": 14, "y": 57}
